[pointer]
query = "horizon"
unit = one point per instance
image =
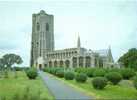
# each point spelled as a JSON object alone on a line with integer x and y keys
{"x": 98, "y": 23}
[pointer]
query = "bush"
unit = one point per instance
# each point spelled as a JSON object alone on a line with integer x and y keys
{"x": 19, "y": 68}
{"x": 114, "y": 77}
{"x": 99, "y": 73}
{"x": 52, "y": 71}
{"x": 81, "y": 77}
{"x": 114, "y": 70}
{"x": 60, "y": 73}
{"x": 99, "y": 82}
{"x": 81, "y": 70}
{"x": 46, "y": 69}
{"x": 135, "y": 81}
{"x": 69, "y": 75}
{"x": 127, "y": 73}
{"x": 90, "y": 72}
{"x": 32, "y": 73}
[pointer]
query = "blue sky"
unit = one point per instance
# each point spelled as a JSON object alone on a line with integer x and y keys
{"x": 100, "y": 23}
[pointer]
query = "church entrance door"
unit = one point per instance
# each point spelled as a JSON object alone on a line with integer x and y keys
{"x": 40, "y": 66}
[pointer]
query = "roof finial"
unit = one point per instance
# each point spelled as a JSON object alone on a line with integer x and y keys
{"x": 78, "y": 42}
{"x": 109, "y": 47}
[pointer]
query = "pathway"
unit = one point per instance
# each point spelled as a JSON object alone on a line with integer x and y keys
{"x": 61, "y": 90}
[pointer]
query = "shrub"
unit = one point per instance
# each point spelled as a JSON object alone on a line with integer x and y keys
{"x": 114, "y": 70}
{"x": 52, "y": 71}
{"x": 32, "y": 73}
{"x": 127, "y": 73}
{"x": 81, "y": 70}
{"x": 17, "y": 69}
{"x": 69, "y": 75}
{"x": 60, "y": 73}
{"x": 81, "y": 77}
{"x": 135, "y": 81}
{"x": 90, "y": 71}
{"x": 99, "y": 82}
{"x": 114, "y": 77}
{"x": 46, "y": 69}
{"x": 99, "y": 73}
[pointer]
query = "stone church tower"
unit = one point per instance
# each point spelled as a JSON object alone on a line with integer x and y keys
{"x": 42, "y": 38}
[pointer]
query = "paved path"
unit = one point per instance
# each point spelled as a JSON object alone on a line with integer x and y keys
{"x": 61, "y": 90}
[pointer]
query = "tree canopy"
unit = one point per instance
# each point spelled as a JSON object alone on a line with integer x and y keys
{"x": 10, "y": 59}
{"x": 129, "y": 59}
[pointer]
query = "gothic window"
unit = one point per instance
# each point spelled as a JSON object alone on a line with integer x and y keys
{"x": 88, "y": 61}
{"x": 81, "y": 61}
{"x": 47, "y": 27}
{"x": 67, "y": 63}
{"x": 100, "y": 62}
{"x": 74, "y": 62}
{"x": 38, "y": 27}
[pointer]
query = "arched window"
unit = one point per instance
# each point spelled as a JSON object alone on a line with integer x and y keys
{"x": 38, "y": 27}
{"x": 47, "y": 27}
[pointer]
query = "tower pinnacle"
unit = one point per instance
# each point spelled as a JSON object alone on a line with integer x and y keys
{"x": 78, "y": 42}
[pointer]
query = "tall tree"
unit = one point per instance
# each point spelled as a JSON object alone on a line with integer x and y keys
{"x": 129, "y": 59}
{"x": 10, "y": 59}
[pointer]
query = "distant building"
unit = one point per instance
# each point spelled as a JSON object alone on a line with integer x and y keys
{"x": 43, "y": 53}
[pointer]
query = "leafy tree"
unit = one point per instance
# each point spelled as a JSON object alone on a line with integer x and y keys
{"x": 10, "y": 59}
{"x": 129, "y": 59}
{"x": 1, "y": 63}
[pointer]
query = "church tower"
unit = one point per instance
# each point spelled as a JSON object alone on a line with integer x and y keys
{"x": 42, "y": 37}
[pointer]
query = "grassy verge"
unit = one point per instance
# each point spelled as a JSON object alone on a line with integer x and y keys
{"x": 110, "y": 91}
{"x": 11, "y": 86}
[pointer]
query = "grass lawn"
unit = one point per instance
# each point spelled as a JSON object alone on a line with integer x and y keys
{"x": 11, "y": 86}
{"x": 109, "y": 92}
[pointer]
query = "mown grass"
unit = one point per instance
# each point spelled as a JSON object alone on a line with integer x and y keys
{"x": 10, "y": 87}
{"x": 109, "y": 92}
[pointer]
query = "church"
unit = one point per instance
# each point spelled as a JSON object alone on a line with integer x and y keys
{"x": 43, "y": 53}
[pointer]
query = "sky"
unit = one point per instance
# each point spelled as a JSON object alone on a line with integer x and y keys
{"x": 99, "y": 23}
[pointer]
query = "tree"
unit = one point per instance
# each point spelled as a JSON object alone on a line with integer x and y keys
{"x": 1, "y": 63}
{"x": 10, "y": 59}
{"x": 129, "y": 59}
